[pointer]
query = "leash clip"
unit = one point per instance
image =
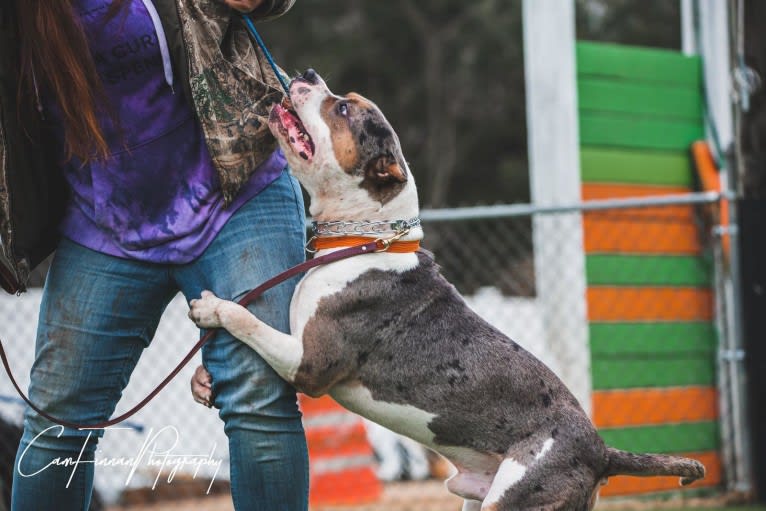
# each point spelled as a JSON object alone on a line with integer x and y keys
{"x": 384, "y": 244}
{"x": 309, "y": 247}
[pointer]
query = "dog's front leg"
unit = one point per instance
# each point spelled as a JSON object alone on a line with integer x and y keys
{"x": 281, "y": 351}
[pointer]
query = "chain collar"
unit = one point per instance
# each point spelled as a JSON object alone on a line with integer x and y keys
{"x": 369, "y": 228}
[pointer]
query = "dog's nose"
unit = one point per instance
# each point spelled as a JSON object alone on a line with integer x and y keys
{"x": 310, "y": 76}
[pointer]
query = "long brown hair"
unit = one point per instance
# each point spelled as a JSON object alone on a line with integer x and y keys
{"x": 55, "y": 58}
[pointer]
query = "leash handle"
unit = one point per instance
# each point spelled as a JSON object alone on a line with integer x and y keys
{"x": 253, "y": 32}
{"x": 368, "y": 248}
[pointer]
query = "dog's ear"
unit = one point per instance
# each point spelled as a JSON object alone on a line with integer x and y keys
{"x": 385, "y": 169}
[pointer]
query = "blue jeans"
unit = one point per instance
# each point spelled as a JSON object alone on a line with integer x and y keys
{"x": 99, "y": 312}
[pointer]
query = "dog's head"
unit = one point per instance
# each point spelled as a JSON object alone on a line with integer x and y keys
{"x": 344, "y": 152}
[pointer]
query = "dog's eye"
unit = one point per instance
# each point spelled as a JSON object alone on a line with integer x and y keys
{"x": 343, "y": 109}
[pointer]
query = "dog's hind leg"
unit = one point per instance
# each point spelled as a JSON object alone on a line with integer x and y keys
{"x": 469, "y": 485}
{"x": 510, "y": 473}
{"x": 544, "y": 485}
{"x": 539, "y": 475}
{"x": 471, "y": 505}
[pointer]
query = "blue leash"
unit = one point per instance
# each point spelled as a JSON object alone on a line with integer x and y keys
{"x": 253, "y": 32}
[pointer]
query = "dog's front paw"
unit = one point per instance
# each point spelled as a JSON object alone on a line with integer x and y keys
{"x": 206, "y": 311}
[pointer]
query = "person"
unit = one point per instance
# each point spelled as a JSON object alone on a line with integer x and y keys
{"x": 133, "y": 141}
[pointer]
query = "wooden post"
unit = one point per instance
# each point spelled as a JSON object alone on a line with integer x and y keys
{"x": 752, "y": 211}
{"x": 688, "y": 33}
{"x": 554, "y": 156}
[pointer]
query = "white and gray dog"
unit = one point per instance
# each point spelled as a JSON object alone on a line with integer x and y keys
{"x": 390, "y": 339}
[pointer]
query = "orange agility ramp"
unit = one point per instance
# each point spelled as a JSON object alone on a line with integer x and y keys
{"x": 710, "y": 181}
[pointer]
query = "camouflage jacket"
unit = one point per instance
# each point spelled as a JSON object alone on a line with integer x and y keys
{"x": 232, "y": 89}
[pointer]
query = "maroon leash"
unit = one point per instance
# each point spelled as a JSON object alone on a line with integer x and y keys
{"x": 379, "y": 245}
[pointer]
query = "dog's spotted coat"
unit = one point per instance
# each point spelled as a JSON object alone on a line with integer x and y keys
{"x": 389, "y": 338}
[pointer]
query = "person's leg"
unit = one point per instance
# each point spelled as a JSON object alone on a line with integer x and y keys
{"x": 267, "y": 447}
{"x": 97, "y": 314}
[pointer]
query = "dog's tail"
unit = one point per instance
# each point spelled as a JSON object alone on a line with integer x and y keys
{"x": 626, "y": 463}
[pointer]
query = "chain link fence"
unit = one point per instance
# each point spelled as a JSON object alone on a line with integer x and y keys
{"x": 629, "y": 301}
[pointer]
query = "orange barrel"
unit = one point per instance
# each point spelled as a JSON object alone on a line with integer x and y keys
{"x": 341, "y": 461}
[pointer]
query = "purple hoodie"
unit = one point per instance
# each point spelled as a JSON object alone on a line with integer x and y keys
{"x": 157, "y": 197}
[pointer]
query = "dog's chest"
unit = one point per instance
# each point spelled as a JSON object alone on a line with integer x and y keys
{"x": 326, "y": 281}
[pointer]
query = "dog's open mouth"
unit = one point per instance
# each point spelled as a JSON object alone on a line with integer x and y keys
{"x": 294, "y": 131}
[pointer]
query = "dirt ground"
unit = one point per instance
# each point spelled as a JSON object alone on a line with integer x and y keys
{"x": 431, "y": 496}
{"x": 420, "y": 496}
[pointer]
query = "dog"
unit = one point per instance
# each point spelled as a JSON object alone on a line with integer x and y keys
{"x": 391, "y": 340}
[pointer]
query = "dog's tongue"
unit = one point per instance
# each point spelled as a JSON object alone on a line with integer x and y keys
{"x": 297, "y": 136}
